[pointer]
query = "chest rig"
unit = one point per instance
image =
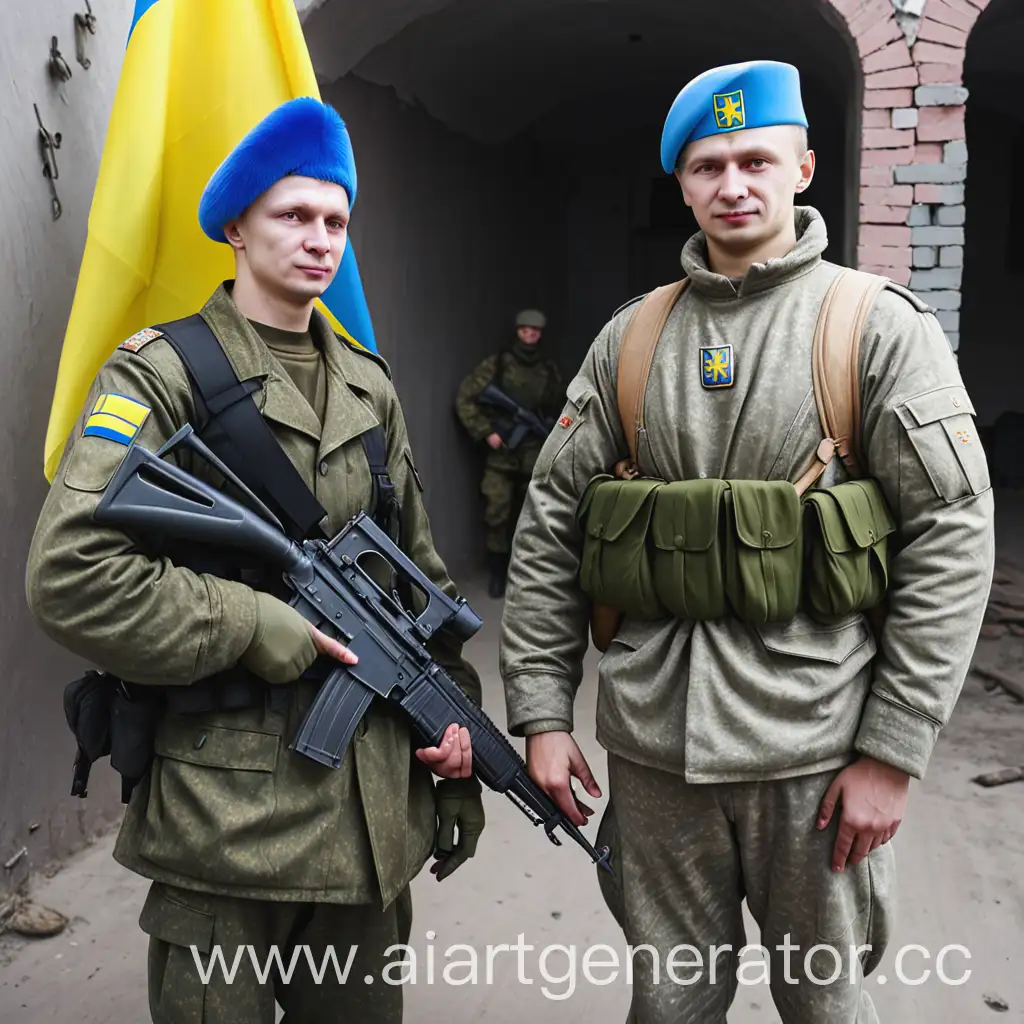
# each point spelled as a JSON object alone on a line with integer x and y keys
{"x": 758, "y": 550}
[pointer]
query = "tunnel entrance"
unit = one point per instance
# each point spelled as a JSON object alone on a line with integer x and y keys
{"x": 509, "y": 157}
{"x": 991, "y": 353}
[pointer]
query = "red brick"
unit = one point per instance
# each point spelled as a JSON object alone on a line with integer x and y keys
{"x": 936, "y": 53}
{"x": 941, "y": 124}
{"x": 883, "y": 215}
{"x": 895, "y": 55}
{"x": 870, "y": 13}
{"x": 900, "y": 78}
{"x": 876, "y": 118}
{"x": 877, "y": 234}
{"x": 957, "y": 13}
{"x": 935, "y": 32}
{"x": 928, "y": 153}
{"x": 848, "y": 8}
{"x": 928, "y": 193}
{"x": 886, "y": 157}
{"x": 980, "y": 4}
{"x": 901, "y": 275}
{"x": 941, "y": 74}
{"x": 884, "y": 255}
{"x": 897, "y": 195}
{"x": 878, "y": 33}
{"x": 889, "y": 98}
{"x": 877, "y": 177}
{"x": 887, "y": 138}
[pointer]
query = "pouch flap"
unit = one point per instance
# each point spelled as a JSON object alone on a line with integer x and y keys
{"x": 616, "y": 504}
{"x": 766, "y": 512}
{"x": 588, "y": 496}
{"x": 938, "y": 404}
{"x": 174, "y": 922}
{"x": 865, "y": 510}
{"x": 216, "y": 747}
{"x": 831, "y": 520}
{"x": 686, "y": 515}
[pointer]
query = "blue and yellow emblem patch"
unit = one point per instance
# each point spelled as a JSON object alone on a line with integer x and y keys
{"x": 729, "y": 110}
{"x": 117, "y": 418}
{"x": 717, "y": 366}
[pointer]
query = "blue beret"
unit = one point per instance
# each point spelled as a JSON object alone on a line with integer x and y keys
{"x": 755, "y": 94}
{"x": 303, "y": 136}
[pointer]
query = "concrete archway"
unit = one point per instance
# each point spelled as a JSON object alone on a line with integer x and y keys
{"x": 508, "y": 157}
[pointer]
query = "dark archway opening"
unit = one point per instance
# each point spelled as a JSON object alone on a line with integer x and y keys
{"x": 509, "y": 157}
{"x": 991, "y": 347}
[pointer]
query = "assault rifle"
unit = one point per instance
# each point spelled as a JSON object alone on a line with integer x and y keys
{"x": 522, "y": 420}
{"x": 333, "y": 590}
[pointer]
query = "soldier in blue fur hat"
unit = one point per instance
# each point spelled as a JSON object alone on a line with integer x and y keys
{"x": 248, "y": 843}
{"x": 753, "y": 754}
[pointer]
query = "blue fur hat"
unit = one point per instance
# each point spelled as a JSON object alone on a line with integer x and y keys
{"x": 303, "y": 136}
{"x": 755, "y": 94}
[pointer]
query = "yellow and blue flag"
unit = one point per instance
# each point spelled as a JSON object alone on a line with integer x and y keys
{"x": 197, "y": 76}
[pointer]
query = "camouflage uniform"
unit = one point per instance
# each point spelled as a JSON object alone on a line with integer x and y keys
{"x": 245, "y": 840}
{"x": 536, "y": 384}
{"x": 722, "y": 737}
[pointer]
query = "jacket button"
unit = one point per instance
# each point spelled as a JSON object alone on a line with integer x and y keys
{"x": 767, "y": 536}
{"x": 678, "y": 541}
{"x": 323, "y": 467}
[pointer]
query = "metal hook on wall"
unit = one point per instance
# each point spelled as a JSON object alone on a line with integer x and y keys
{"x": 48, "y": 146}
{"x": 59, "y": 67}
{"x": 84, "y": 23}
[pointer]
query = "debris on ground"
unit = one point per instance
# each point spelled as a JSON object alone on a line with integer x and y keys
{"x": 1001, "y": 777}
{"x": 996, "y": 1003}
{"x": 34, "y": 921}
{"x": 1004, "y": 617}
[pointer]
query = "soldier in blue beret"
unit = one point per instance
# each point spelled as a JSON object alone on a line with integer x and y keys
{"x": 762, "y": 732}
{"x": 248, "y": 843}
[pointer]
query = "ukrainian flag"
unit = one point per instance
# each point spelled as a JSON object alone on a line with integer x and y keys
{"x": 197, "y": 76}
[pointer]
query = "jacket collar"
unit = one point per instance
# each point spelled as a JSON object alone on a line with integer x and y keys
{"x": 811, "y": 242}
{"x": 349, "y": 383}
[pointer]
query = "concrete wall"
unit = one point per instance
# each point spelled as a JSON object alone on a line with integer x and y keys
{"x": 453, "y": 238}
{"x": 40, "y": 257}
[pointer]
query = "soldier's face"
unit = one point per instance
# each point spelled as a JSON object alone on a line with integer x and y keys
{"x": 292, "y": 238}
{"x": 742, "y": 186}
{"x": 529, "y": 335}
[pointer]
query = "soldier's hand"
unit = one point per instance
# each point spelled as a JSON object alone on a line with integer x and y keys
{"x": 553, "y": 760}
{"x": 452, "y": 758}
{"x": 495, "y": 441}
{"x": 874, "y": 799}
{"x": 458, "y": 805}
{"x": 325, "y": 645}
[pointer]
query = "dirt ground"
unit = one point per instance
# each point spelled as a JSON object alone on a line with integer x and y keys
{"x": 960, "y": 856}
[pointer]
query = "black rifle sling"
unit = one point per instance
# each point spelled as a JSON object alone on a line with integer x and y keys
{"x": 386, "y": 510}
{"x": 237, "y": 433}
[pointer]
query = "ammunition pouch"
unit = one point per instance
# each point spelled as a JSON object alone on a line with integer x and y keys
{"x": 705, "y": 549}
{"x": 847, "y": 530}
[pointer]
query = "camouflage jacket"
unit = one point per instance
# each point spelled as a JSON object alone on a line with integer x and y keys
{"x": 238, "y": 813}
{"x": 535, "y": 385}
{"x": 721, "y": 701}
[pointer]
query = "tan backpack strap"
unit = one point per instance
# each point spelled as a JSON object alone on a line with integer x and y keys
{"x": 835, "y": 363}
{"x": 636, "y": 354}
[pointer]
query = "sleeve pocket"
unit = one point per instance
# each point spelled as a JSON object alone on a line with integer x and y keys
{"x": 940, "y": 427}
{"x": 579, "y": 393}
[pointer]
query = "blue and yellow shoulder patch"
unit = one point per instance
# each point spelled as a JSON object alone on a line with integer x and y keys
{"x": 141, "y": 338}
{"x": 117, "y": 418}
{"x": 717, "y": 366}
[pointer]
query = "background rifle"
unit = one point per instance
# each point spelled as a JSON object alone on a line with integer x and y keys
{"x": 333, "y": 590}
{"x": 522, "y": 421}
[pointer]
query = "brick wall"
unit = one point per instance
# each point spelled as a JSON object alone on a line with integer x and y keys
{"x": 913, "y": 146}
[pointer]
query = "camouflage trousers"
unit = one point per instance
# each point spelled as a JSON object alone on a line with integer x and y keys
{"x": 186, "y": 927}
{"x": 685, "y": 857}
{"x": 505, "y": 480}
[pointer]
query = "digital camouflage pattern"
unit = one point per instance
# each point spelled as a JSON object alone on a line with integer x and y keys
{"x": 227, "y": 808}
{"x": 536, "y": 384}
